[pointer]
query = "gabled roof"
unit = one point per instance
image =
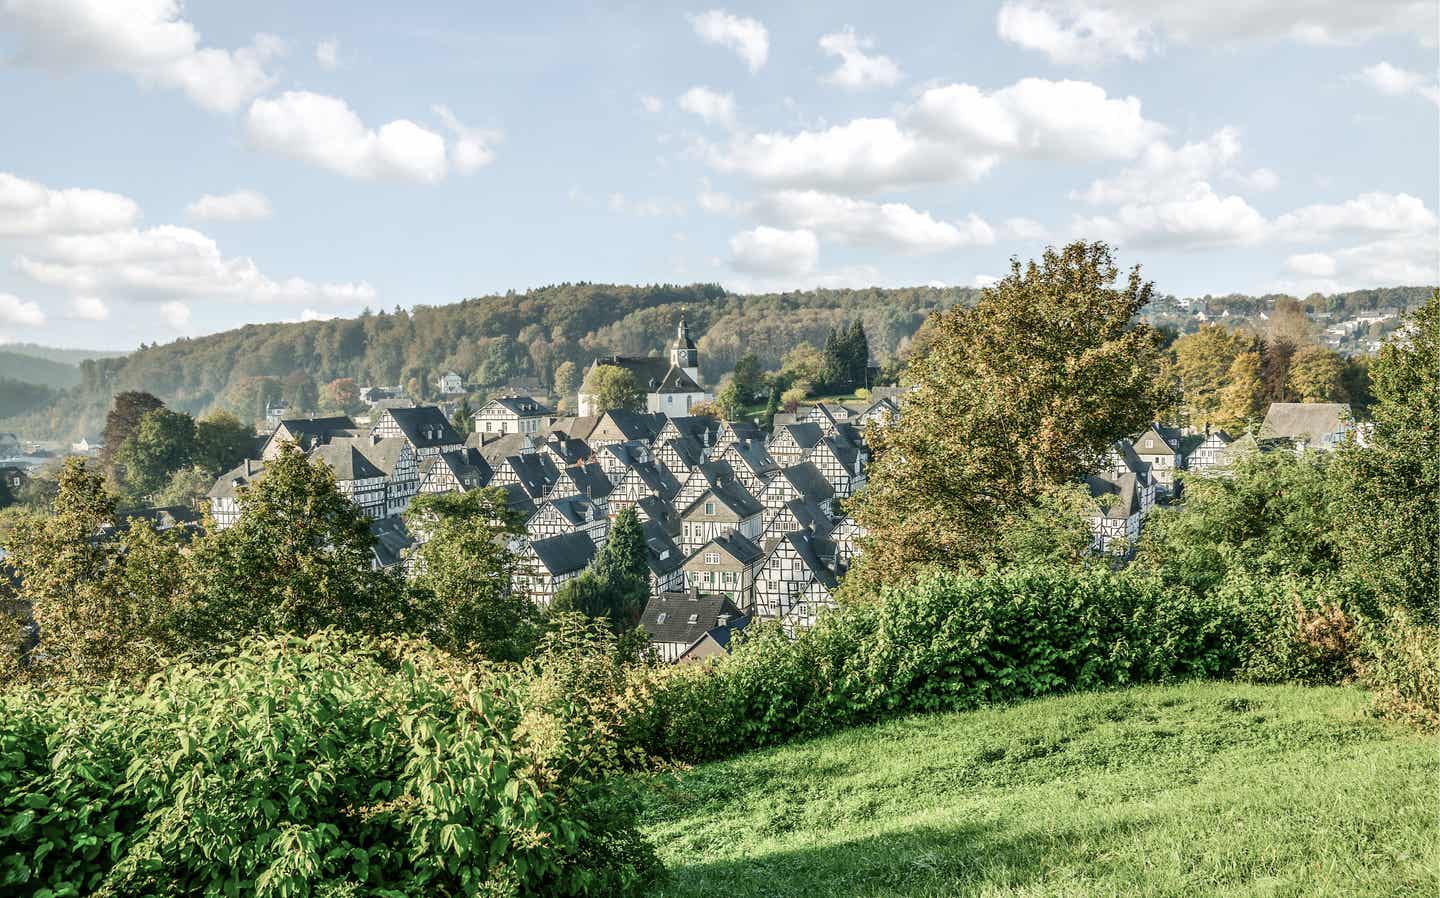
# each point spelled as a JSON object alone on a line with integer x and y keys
{"x": 1308, "y": 421}
{"x": 811, "y": 548}
{"x": 578, "y": 427}
{"x": 569, "y": 450}
{"x": 736, "y": 545}
{"x": 806, "y": 478}
{"x": 662, "y": 553}
{"x": 701, "y": 428}
{"x": 587, "y": 480}
{"x": 384, "y": 453}
{"x": 733, "y": 495}
{"x": 654, "y": 508}
{"x": 391, "y": 540}
{"x": 227, "y": 484}
{"x": 425, "y": 426}
{"x": 308, "y": 432}
{"x": 806, "y": 434}
{"x": 744, "y": 430}
{"x": 677, "y": 381}
{"x": 346, "y": 460}
{"x": 846, "y": 452}
{"x": 649, "y": 370}
{"x": 535, "y": 472}
{"x": 519, "y": 500}
{"x": 567, "y": 553}
{"x": 636, "y": 426}
{"x": 688, "y": 448}
{"x": 495, "y": 450}
{"x": 468, "y": 466}
{"x": 685, "y": 617}
{"x": 576, "y": 510}
{"x": 1117, "y": 498}
{"x": 657, "y": 479}
{"x": 810, "y": 516}
{"x": 754, "y": 455}
{"x": 520, "y": 406}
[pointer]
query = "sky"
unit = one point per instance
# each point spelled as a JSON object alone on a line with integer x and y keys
{"x": 172, "y": 169}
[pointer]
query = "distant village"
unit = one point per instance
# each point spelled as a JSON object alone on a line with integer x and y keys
{"x": 740, "y": 524}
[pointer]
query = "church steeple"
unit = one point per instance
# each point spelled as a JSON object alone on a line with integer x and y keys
{"x": 683, "y": 353}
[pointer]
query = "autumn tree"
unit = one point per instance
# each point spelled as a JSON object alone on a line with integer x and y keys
{"x": 340, "y": 396}
{"x": 1017, "y": 396}
{"x": 462, "y": 588}
{"x": 1202, "y": 366}
{"x": 122, "y": 420}
{"x": 1317, "y": 374}
{"x": 1242, "y": 399}
{"x": 614, "y": 388}
{"x": 567, "y": 379}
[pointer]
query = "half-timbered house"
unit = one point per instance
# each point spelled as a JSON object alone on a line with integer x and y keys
{"x": 548, "y": 564}
{"x": 725, "y": 565}
{"x": 690, "y": 625}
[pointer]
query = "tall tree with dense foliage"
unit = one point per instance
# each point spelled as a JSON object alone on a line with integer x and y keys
{"x": 617, "y": 584}
{"x": 1391, "y": 481}
{"x": 1317, "y": 374}
{"x": 105, "y": 603}
{"x": 122, "y": 420}
{"x": 340, "y": 396}
{"x": 463, "y": 592}
{"x": 1023, "y": 393}
{"x": 222, "y": 441}
{"x": 567, "y": 380}
{"x": 298, "y": 560}
{"x": 749, "y": 377}
{"x": 614, "y": 388}
{"x": 163, "y": 443}
{"x": 1242, "y": 400}
{"x": 1202, "y": 364}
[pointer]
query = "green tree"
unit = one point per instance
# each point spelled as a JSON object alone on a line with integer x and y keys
{"x": 567, "y": 380}
{"x": 185, "y": 487}
{"x": 464, "y": 572}
{"x": 749, "y": 377}
{"x": 222, "y": 441}
{"x": 772, "y": 408}
{"x": 1202, "y": 365}
{"x": 614, "y": 388}
{"x": 617, "y": 584}
{"x": 124, "y": 416}
{"x": 1017, "y": 396}
{"x": 1317, "y": 374}
{"x": 299, "y": 559}
{"x": 461, "y": 420}
{"x": 162, "y": 444}
{"x": 804, "y": 364}
{"x": 1390, "y": 483}
{"x": 104, "y": 606}
{"x": 1242, "y": 400}
{"x": 728, "y": 401}
{"x": 301, "y": 393}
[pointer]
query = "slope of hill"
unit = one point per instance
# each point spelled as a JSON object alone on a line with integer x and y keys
{"x": 1203, "y": 789}
{"x": 60, "y": 354}
{"x": 31, "y": 369}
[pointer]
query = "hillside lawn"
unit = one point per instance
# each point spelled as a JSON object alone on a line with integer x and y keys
{"x": 1200, "y": 789}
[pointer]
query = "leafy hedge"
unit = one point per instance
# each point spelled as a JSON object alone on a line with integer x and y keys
{"x": 949, "y": 643}
{"x": 325, "y": 765}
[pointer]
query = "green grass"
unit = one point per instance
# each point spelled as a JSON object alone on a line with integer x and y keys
{"x": 1202, "y": 789}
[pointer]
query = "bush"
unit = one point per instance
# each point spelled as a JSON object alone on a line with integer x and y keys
{"x": 322, "y": 765}
{"x": 1400, "y": 664}
{"x": 1297, "y": 629}
{"x": 949, "y": 643}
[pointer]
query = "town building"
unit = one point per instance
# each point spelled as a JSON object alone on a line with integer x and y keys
{"x": 671, "y": 385}
{"x": 513, "y": 414}
{"x": 690, "y": 626}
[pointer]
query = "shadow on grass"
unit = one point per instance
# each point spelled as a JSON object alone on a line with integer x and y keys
{"x": 923, "y": 862}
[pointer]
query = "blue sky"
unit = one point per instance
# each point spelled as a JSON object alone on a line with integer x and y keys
{"x": 174, "y": 169}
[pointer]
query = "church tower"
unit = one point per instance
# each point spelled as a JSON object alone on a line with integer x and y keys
{"x": 683, "y": 353}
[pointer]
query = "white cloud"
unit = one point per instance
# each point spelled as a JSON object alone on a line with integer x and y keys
{"x": 981, "y": 281}
{"x": 88, "y": 308}
{"x": 28, "y": 209}
{"x": 952, "y": 133}
{"x": 651, "y": 104}
{"x": 165, "y": 262}
{"x": 176, "y": 314}
{"x": 893, "y": 226}
{"x": 1163, "y": 170}
{"x": 1197, "y": 218}
{"x": 15, "y": 312}
{"x": 747, "y": 37}
{"x": 1023, "y": 229}
{"x": 1261, "y": 179}
{"x": 1314, "y": 265}
{"x": 146, "y": 39}
{"x": 325, "y": 131}
{"x": 1369, "y": 213}
{"x": 858, "y": 69}
{"x": 712, "y": 106}
{"x": 1076, "y": 36}
{"x": 770, "y": 251}
{"x": 240, "y": 205}
{"x": 327, "y": 53}
{"x": 471, "y": 150}
{"x": 1397, "y": 82}
{"x": 313, "y": 315}
{"x": 1091, "y": 31}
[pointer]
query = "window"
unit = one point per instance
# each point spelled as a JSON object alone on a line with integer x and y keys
{"x": 709, "y": 578}
{"x": 712, "y": 557}
{"x": 694, "y": 618}
{"x": 660, "y": 619}
{"x": 729, "y": 578}
{"x": 709, "y": 507}
{"x": 1149, "y": 444}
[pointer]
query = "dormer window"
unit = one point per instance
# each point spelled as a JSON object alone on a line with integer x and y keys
{"x": 660, "y": 618}
{"x": 694, "y": 619}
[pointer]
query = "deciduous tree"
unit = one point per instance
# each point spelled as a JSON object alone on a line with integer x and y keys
{"x": 614, "y": 388}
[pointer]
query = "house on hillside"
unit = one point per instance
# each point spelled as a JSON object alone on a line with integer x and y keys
{"x": 1308, "y": 425}
{"x": 726, "y": 565}
{"x": 797, "y": 580}
{"x": 1206, "y": 456}
{"x": 450, "y": 384}
{"x": 568, "y": 514}
{"x": 841, "y": 463}
{"x": 752, "y": 464}
{"x": 723, "y": 508}
{"x": 791, "y": 443}
{"x": 392, "y": 544}
{"x": 800, "y": 481}
{"x": 224, "y": 496}
{"x": 689, "y": 626}
{"x": 1159, "y": 447}
{"x": 664, "y": 557}
{"x": 356, "y": 477}
{"x": 620, "y": 426}
{"x": 671, "y": 385}
{"x": 513, "y": 414}
{"x": 548, "y": 564}
{"x": 1117, "y": 511}
{"x": 460, "y": 470}
{"x": 307, "y": 433}
{"x": 425, "y": 428}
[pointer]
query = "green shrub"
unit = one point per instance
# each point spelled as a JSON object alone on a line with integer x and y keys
{"x": 948, "y": 643}
{"x": 1296, "y": 629}
{"x": 1400, "y": 664}
{"x": 325, "y": 765}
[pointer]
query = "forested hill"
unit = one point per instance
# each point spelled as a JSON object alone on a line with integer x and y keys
{"x": 494, "y": 340}
{"x": 490, "y": 340}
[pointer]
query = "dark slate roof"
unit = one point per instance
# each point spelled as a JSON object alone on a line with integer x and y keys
{"x": 228, "y": 483}
{"x": 383, "y": 453}
{"x": 536, "y": 472}
{"x": 346, "y": 460}
{"x": 811, "y": 516}
{"x": 701, "y": 428}
{"x": 733, "y": 494}
{"x": 519, "y": 500}
{"x": 570, "y": 450}
{"x": 585, "y": 480}
{"x": 523, "y": 406}
{"x": 689, "y": 449}
{"x": 677, "y": 381}
{"x": 685, "y": 617}
{"x": 805, "y": 433}
{"x": 746, "y": 430}
{"x": 1308, "y": 421}
{"x": 638, "y": 426}
{"x": 657, "y": 479}
{"x": 391, "y": 540}
{"x": 662, "y": 553}
{"x": 844, "y": 450}
{"x": 1116, "y": 497}
{"x": 576, "y": 510}
{"x": 654, "y": 508}
{"x": 467, "y": 465}
{"x": 496, "y": 450}
{"x": 307, "y": 432}
{"x": 425, "y": 426}
{"x": 807, "y": 479}
{"x": 567, "y": 553}
{"x": 755, "y": 456}
{"x": 578, "y": 427}
{"x": 813, "y": 551}
{"x": 737, "y": 546}
{"x": 649, "y": 370}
